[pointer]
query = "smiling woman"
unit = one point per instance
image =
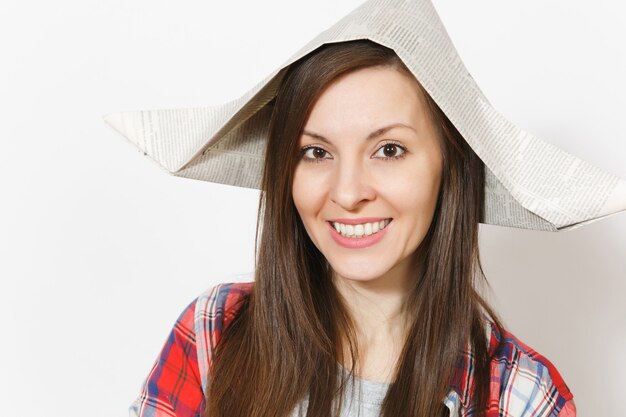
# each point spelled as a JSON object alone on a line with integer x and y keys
{"x": 368, "y": 262}
{"x": 377, "y": 157}
{"x": 365, "y": 297}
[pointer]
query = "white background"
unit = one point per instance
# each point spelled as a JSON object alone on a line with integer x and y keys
{"x": 100, "y": 250}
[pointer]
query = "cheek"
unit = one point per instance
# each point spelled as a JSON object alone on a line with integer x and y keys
{"x": 304, "y": 194}
{"x": 423, "y": 190}
{"x": 431, "y": 173}
{"x": 433, "y": 191}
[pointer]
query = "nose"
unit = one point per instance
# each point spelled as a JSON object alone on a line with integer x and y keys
{"x": 351, "y": 185}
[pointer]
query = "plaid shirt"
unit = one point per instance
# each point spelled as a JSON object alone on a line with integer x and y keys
{"x": 523, "y": 382}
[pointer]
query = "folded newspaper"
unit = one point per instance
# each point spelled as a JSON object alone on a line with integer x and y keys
{"x": 530, "y": 183}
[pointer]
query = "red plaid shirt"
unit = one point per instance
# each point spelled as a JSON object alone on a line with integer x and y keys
{"x": 523, "y": 382}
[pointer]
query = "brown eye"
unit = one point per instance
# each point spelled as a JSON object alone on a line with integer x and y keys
{"x": 319, "y": 152}
{"x": 314, "y": 154}
{"x": 391, "y": 151}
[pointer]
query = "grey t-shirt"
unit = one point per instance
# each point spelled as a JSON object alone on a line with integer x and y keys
{"x": 362, "y": 401}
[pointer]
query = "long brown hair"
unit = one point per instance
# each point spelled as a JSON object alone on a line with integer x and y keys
{"x": 283, "y": 344}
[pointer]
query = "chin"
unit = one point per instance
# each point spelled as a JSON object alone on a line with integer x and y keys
{"x": 362, "y": 274}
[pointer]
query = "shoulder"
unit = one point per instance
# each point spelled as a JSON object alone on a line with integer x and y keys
{"x": 523, "y": 381}
{"x": 173, "y": 384}
{"x": 177, "y": 380}
{"x": 214, "y": 309}
{"x": 219, "y": 304}
{"x": 216, "y": 306}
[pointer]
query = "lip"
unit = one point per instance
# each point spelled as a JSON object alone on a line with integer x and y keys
{"x": 360, "y": 220}
{"x": 359, "y": 242}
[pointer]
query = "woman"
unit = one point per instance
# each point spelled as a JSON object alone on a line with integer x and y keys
{"x": 365, "y": 295}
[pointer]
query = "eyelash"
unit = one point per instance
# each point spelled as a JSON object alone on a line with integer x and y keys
{"x": 385, "y": 158}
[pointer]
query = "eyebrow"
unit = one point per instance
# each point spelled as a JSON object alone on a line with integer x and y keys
{"x": 373, "y": 135}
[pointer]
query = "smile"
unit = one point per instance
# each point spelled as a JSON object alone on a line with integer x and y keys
{"x": 356, "y": 236}
{"x": 360, "y": 230}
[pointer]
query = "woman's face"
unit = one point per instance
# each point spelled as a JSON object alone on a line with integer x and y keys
{"x": 369, "y": 156}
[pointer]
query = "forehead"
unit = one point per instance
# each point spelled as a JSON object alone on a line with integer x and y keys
{"x": 366, "y": 98}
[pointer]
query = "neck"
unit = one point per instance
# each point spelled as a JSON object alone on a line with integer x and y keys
{"x": 382, "y": 300}
{"x": 378, "y": 309}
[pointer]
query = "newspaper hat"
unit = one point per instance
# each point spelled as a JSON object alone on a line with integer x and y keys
{"x": 529, "y": 183}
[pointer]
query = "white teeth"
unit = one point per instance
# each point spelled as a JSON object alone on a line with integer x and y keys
{"x": 360, "y": 230}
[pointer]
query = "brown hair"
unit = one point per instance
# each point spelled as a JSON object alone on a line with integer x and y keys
{"x": 284, "y": 342}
